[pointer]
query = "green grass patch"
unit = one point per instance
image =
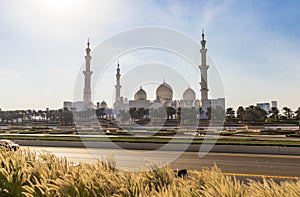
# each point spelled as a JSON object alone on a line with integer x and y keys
{"x": 165, "y": 140}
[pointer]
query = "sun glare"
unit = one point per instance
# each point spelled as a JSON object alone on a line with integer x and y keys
{"x": 75, "y": 9}
{"x": 59, "y": 8}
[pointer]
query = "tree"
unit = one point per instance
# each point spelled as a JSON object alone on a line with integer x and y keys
{"x": 159, "y": 113}
{"x": 123, "y": 116}
{"x": 239, "y": 113}
{"x": 170, "y": 112}
{"x": 132, "y": 113}
{"x": 254, "y": 114}
{"x": 208, "y": 112}
{"x": 189, "y": 115}
{"x": 201, "y": 112}
{"x": 138, "y": 113}
{"x": 68, "y": 117}
{"x": 60, "y": 116}
{"x": 141, "y": 113}
{"x": 47, "y": 114}
{"x": 217, "y": 113}
{"x": 274, "y": 113}
{"x": 100, "y": 113}
{"x": 229, "y": 115}
{"x": 179, "y": 113}
{"x": 288, "y": 112}
{"x": 297, "y": 112}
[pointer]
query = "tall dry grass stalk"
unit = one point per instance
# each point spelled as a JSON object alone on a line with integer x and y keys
{"x": 23, "y": 173}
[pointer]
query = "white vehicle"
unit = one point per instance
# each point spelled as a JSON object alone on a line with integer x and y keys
{"x": 8, "y": 144}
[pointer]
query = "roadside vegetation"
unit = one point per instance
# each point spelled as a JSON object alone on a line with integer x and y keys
{"x": 157, "y": 140}
{"x": 24, "y": 173}
{"x": 65, "y": 117}
{"x": 254, "y": 114}
{"x": 244, "y": 122}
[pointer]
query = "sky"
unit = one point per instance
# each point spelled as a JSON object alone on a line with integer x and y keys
{"x": 254, "y": 46}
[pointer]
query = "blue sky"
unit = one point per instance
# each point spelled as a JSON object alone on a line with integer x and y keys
{"x": 254, "y": 44}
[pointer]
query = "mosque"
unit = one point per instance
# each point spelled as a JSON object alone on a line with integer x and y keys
{"x": 164, "y": 92}
{"x": 164, "y": 97}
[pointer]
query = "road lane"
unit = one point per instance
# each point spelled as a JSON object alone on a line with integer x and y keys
{"x": 257, "y": 164}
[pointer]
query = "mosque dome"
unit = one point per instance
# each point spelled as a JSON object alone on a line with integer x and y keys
{"x": 164, "y": 92}
{"x": 103, "y": 104}
{"x": 140, "y": 94}
{"x": 189, "y": 94}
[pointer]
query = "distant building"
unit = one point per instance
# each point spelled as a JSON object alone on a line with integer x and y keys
{"x": 267, "y": 106}
{"x": 77, "y": 106}
{"x": 68, "y": 105}
{"x": 274, "y": 104}
{"x": 213, "y": 103}
{"x": 264, "y": 106}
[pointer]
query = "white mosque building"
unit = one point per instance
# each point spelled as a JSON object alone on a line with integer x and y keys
{"x": 164, "y": 92}
{"x": 164, "y": 97}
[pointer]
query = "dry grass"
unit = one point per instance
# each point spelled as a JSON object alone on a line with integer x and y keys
{"x": 23, "y": 173}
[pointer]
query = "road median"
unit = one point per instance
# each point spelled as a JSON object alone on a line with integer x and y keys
{"x": 171, "y": 147}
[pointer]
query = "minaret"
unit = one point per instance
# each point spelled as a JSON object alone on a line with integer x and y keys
{"x": 203, "y": 69}
{"x": 87, "y": 75}
{"x": 118, "y": 85}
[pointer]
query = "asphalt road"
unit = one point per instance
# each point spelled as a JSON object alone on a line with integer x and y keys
{"x": 244, "y": 165}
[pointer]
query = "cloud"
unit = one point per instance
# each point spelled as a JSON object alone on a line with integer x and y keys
{"x": 212, "y": 9}
{"x": 9, "y": 75}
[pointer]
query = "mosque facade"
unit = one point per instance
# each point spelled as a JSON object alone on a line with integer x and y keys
{"x": 164, "y": 92}
{"x": 164, "y": 97}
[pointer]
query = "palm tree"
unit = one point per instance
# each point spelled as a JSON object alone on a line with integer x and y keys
{"x": 229, "y": 116}
{"x": 297, "y": 112}
{"x": 68, "y": 117}
{"x": 100, "y": 113}
{"x": 170, "y": 112}
{"x": 178, "y": 113}
{"x": 140, "y": 113}
{"x": 230, "y": 112}
{"x": 287, "y": 112}
{"x": 239, "y": 112}
{"x": 132, "y": 113}
{"x": 60, "y": 116}
{"x": 275, "y": 113}
{"x": 254, "y": 114}
{"x": 47, "y": 114}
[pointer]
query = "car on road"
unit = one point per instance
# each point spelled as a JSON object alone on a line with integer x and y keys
{"x": 8, "y": 144}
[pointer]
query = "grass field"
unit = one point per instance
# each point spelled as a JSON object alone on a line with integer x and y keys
{"x": 23, "y": 173}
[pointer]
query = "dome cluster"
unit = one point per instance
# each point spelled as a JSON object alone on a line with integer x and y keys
{"x": 164, "y": 92}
